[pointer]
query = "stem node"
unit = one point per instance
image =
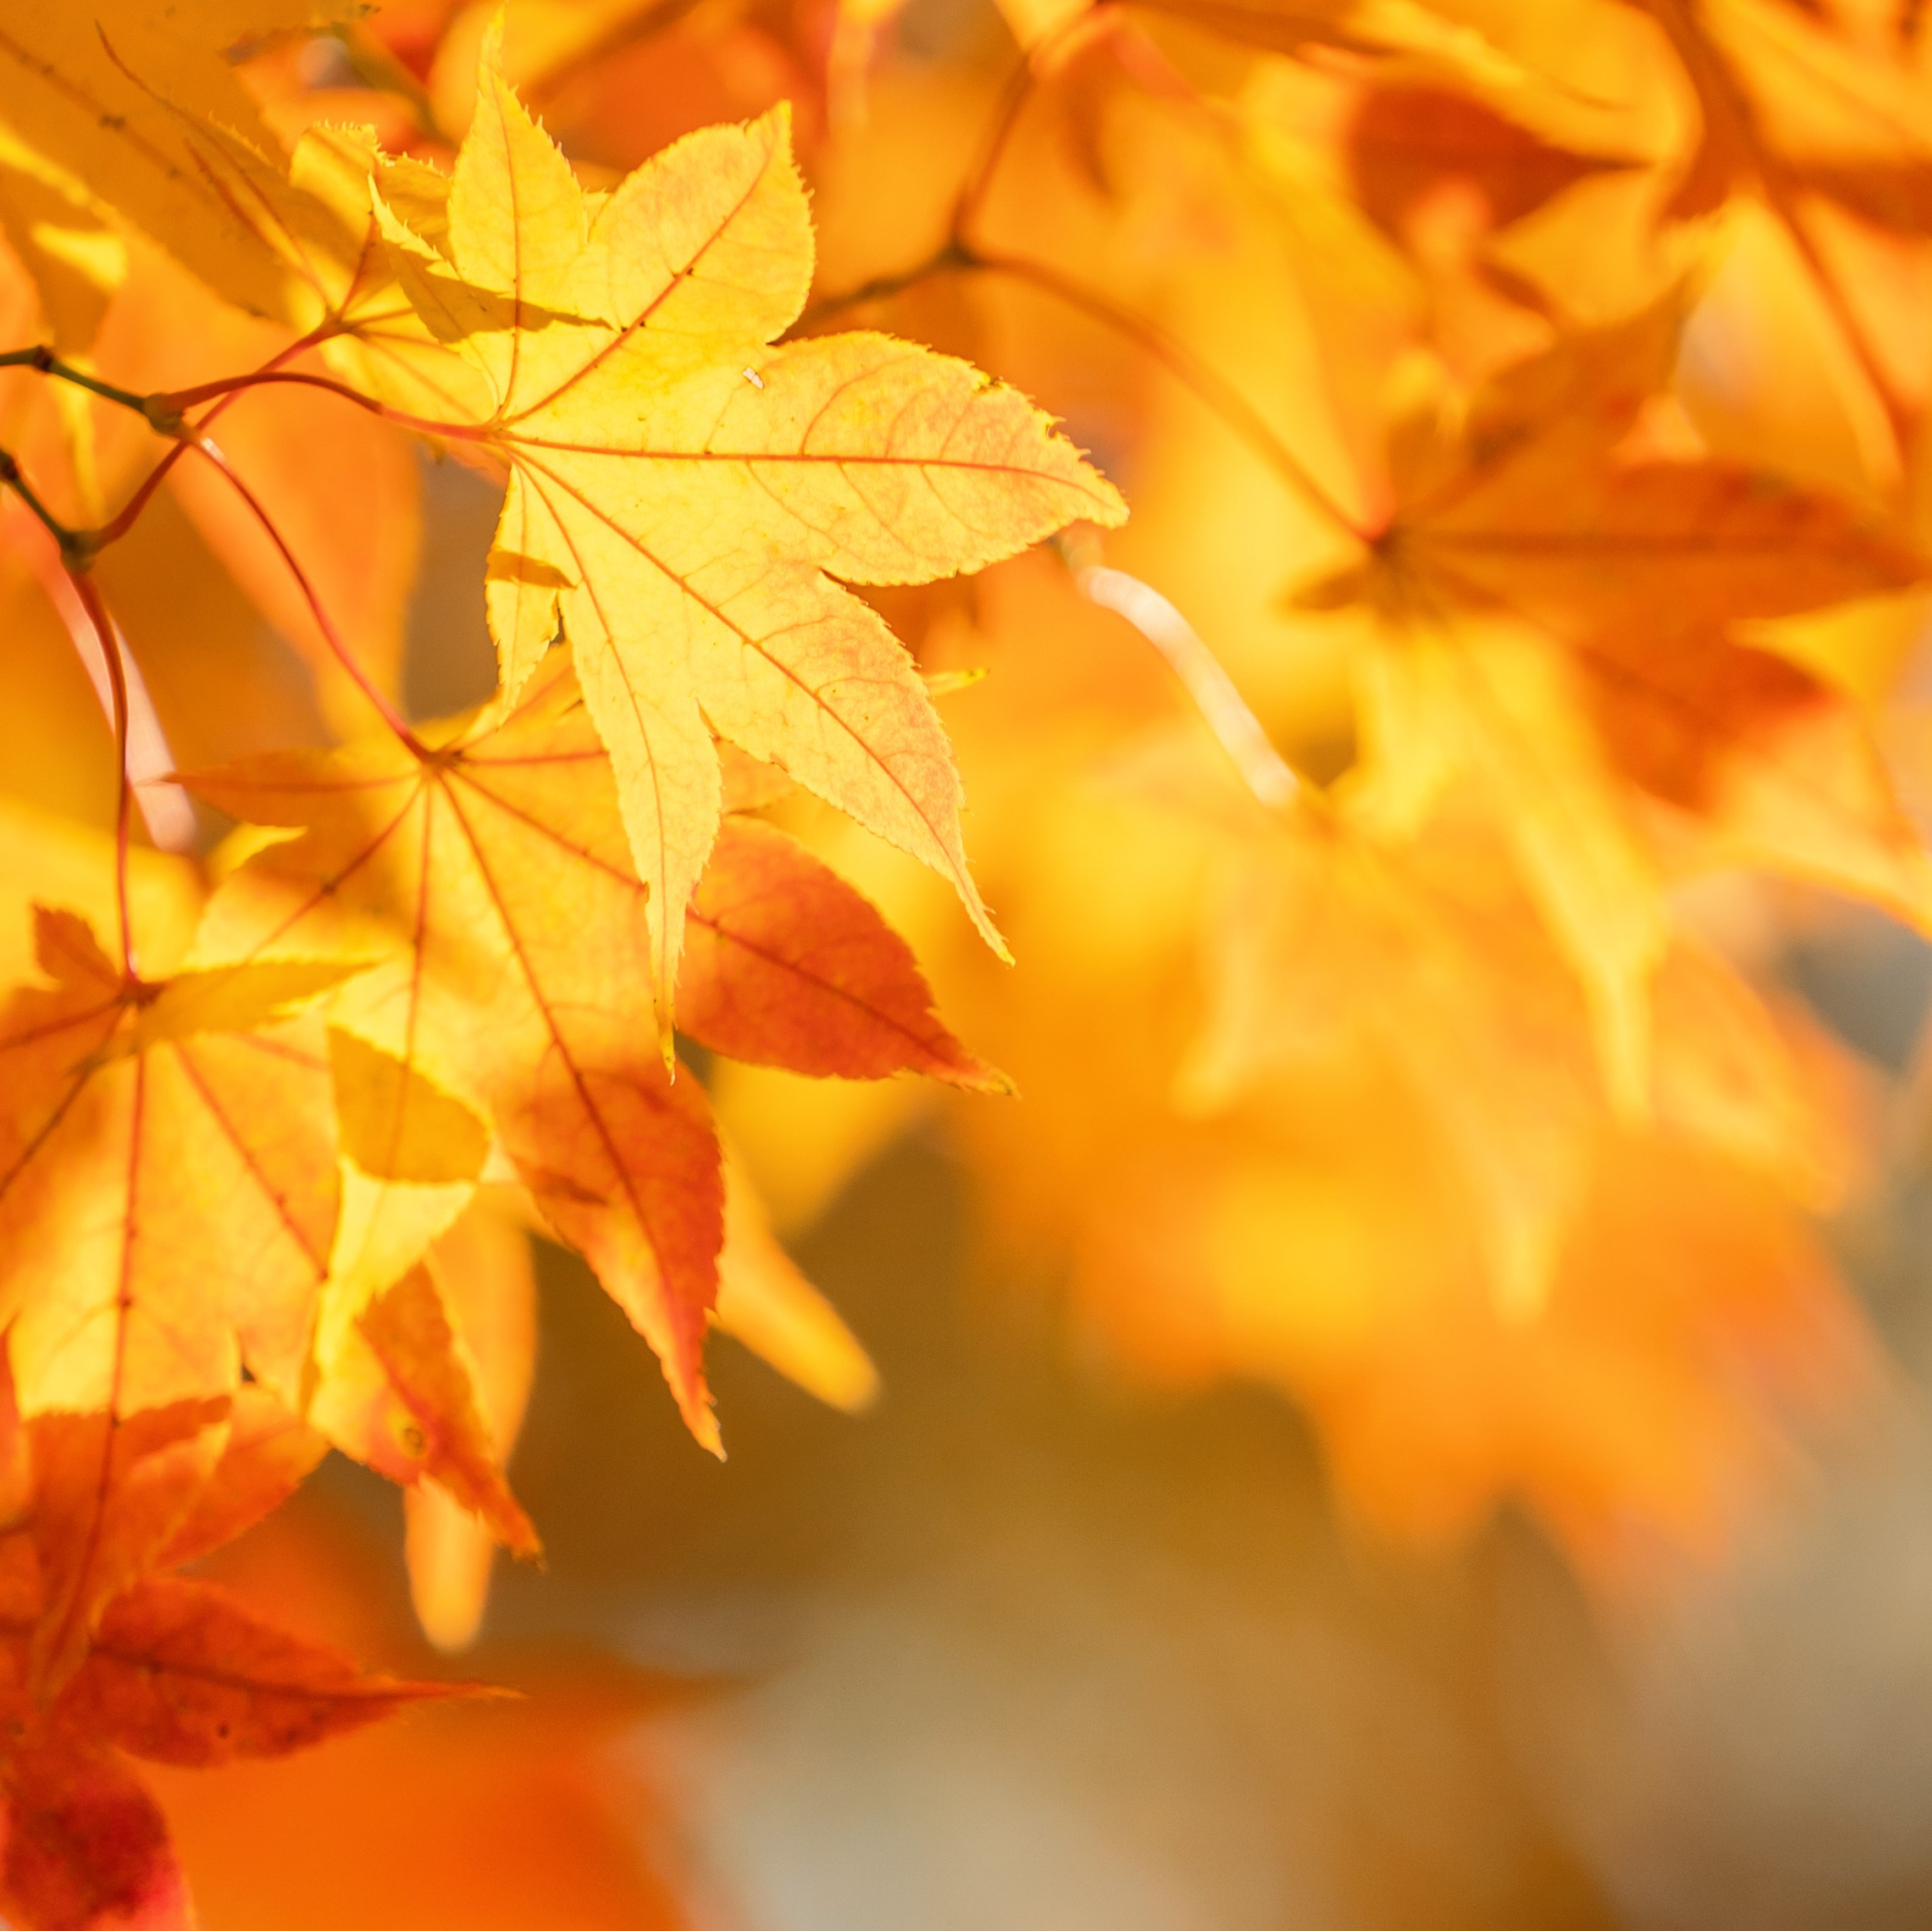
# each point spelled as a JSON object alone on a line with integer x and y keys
{"x": 165, "y": 416}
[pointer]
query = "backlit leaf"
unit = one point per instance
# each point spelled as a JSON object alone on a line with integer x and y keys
{"x": 787, "y": 965}
{"x": 518, "y": 978}
{"x": 682, "y": 493}
{"x": 181, "y": 1672}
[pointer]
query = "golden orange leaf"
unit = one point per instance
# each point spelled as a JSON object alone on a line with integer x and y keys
{"x": 1525, "y": 408}
{"x": 141, "y": 1118}
{"x": 267, "y": 1454}
{"x": 402, "y": 1397}
{"x": 167, "y": 1193}
{"x": 495, "y": 873}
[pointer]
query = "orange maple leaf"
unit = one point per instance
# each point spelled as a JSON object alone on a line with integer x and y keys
{"x": 166, "y": 1190}
{"x": 494, "y": 872}
{"x": 787, "y": 965}
{"x": 172, "y": 1670}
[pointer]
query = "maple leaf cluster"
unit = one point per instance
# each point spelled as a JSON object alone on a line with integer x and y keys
{"x": 1523, "y": 403}
{"x": 272, "y": 1131}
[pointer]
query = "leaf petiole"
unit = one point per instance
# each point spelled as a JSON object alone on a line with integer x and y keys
{"x": 1215, "y": 695}
{"x": 231, "y": 386}
{"x": 961, "y": 254}
{"x": 337, "y": 644}
{"x": 110, "y": 645}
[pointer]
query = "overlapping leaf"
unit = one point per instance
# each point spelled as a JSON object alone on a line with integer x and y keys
{"x": 1386, "y": 1179}
{"x": 682, "y": 493}
{"x": 495, "y": 873}
{"x": 483, "y": 1277}
{"x": 174, "y": 1671}
{"x": 1325, "y": 946}
{"x": 765, "y": 1303}
{"x": 167, "y": 1194}
{"x": 180, "y": 1673}
{"x": 1793, "y": 105}
{"x": 786, "y": 964}
{"x": 400, "y": 1390}
{"x": 124, "y": 96}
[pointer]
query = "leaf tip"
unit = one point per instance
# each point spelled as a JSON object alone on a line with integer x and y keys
{"x": 694, "y": 1398}
{"x": 1114, "y": 510}
{"x": 982, "y": 1078}
{"x": 982, "y": 922}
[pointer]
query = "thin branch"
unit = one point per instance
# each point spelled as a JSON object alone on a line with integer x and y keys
{"x": 1013, "y": 98}
{"x": 1702, "y": 62}
{"x": 76, "y": 547}
{"x": 49, "y": 363}
{"x": 958, "y": 256}
{"x": 125, "y": 518}
{"x": 1785, "y": 206}
{"x": 376, "y": 68}
{"x": 948, "y": 258}
{"x": 1187, "y": 368}
{"x": 164, "y": 414}
{"x": 961, "y": 254}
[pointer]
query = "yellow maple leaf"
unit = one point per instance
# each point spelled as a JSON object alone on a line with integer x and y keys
{"x": 124, "y": 95}
{"x": 682, "y": 493}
